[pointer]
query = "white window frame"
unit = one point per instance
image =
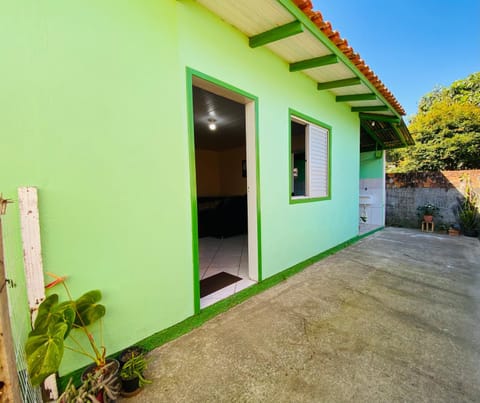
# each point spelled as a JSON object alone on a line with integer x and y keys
{"x": 317, "y": 149}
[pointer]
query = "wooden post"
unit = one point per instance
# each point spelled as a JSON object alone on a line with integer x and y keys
{"x": 32, "y": 257}
{"x": 9, "y": 387}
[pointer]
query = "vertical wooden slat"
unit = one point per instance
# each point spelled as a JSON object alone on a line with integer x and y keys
{"x": 32, "y": 257}
{"x": 9, "y": 387}
{"x": 32, "y": 250}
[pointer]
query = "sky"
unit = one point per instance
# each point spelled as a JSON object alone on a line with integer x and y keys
{"x": 411, "y": 45}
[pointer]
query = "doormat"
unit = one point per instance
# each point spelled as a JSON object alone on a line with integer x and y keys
{"x": 218, "y": 281}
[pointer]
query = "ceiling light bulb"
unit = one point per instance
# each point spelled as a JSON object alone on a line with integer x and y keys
{"x": 211, "y": 124}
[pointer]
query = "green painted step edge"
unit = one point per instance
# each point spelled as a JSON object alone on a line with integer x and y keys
{"x": 175, "y": 331}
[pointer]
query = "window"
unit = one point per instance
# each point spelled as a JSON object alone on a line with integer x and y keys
{"x": 310, "y": 159}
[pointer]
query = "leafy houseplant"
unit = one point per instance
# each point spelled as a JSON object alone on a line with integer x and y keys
{"x": 427, "y": 212}
{"x": 468, "y": 210}
{"x": 132, "y": 373}
{"x": 55, "y": 323}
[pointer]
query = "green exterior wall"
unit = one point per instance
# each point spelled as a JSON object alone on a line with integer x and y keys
{"x": 370, "y": 166}
{"x": 94, "y": 113}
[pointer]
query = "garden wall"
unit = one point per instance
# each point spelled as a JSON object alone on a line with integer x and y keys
{"x": 444, "y": 189}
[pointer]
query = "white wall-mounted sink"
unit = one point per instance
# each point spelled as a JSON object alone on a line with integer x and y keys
{"x": 366, "y": 199}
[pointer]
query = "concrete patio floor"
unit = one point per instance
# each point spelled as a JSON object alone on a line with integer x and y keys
{"x": 393, "y": 318}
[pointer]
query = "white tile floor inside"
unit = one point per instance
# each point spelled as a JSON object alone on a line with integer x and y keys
{"x": 229, "y": 255}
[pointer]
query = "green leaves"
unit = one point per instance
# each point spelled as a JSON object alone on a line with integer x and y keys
{"x": 88, "y": 311}
{"x": 45, "y": 343}
{"x": 45, "y": 352}
{"x": 446, "y": 130}
{"x": 50, "y": 312}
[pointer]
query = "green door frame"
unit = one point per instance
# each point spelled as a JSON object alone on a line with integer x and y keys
{"x": 249, "y": 98}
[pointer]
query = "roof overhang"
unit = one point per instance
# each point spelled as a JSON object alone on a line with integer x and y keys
{"x": 291, "y": 33}
{"x": 380, "y": 132}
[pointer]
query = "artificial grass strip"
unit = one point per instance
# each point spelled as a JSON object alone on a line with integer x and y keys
{"x": 187, "y": 325}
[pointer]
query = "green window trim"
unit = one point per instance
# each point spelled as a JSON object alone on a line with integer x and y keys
{"x": 292, "y": 114}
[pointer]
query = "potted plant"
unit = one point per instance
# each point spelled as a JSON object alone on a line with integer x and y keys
{"x": 468, "y": 211}
{"x": 99, "y": 386}
{"x": 427, "y": 212}
{"x": 58, "y": 321}
{"x": 453, "y": 230}
{"x": 132, "y": 376}
{"x": 443, "y": 228}
{"x": 130, "y": 352}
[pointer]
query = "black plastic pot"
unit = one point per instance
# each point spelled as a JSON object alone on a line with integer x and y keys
{"x": 130, "y": 386}
{"x": 471, "y": 233}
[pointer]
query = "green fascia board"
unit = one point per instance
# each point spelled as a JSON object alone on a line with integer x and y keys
{"x": 315, "y": 31}
{"x": 275, "y": 34}
{"x": 315, "y": 62}
{"x": 379, "y": 118}
{"x": 348, "y": 82}
{"x": 372, "y": 134}
{"x": 376, "y": 108}
{"x": 356, "y": 97}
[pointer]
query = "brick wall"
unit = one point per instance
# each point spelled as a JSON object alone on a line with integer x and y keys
{"x": 405, "y": 192}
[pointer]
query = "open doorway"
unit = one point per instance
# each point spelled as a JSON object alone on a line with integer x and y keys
{"x": 225, "y": 172}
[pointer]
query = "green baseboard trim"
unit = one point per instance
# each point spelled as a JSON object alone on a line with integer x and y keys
{"x": 370, "y": 232}
{"x": 187, "y": 325}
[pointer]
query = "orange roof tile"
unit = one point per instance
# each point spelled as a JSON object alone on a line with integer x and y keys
{"x": 342, "y": 44}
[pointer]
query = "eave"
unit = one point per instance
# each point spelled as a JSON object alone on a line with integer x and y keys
{"x": 300, "y": 37}
{"x": 382, "y": 134}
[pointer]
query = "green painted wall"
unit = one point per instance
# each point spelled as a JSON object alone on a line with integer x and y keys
{"x": 94, "y": 113}
{"x": 370, "y": 166}
{"x": 91, "y": 115}
{"x": 290, "y": 233}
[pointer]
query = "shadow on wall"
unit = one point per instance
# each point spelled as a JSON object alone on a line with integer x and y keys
{"x": 444, "y": 189}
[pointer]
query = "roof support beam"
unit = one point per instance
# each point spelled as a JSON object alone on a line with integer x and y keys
{"x": 275, "y": 34}
{"x": 339, "y": 83}
{"x": 315, "y": 62}
{"x": 356, "y": 97}
{"x": 376, "y": 108}
{"x": 379, "y": 118}
{"x": 310, "y": 26}
{"x": 372, "y": 134}
{"x": 400, "y": 135}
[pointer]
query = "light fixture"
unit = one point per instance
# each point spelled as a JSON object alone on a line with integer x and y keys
{"x": 212, "y": 124}
{"x": 373, "y": 124}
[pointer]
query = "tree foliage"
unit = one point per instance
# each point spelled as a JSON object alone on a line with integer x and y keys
{"x": 446, "y": 130}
